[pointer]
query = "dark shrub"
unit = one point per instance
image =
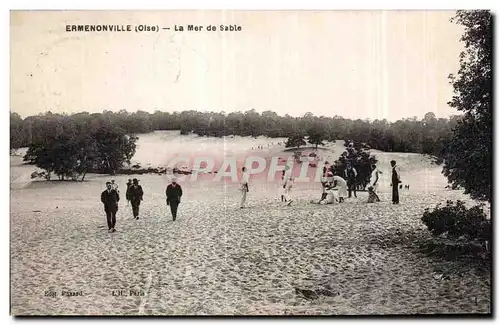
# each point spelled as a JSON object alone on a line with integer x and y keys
{"x": 454, "y": 221}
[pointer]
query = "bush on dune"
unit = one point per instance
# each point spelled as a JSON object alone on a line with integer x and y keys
{"x": 455, "y": 221}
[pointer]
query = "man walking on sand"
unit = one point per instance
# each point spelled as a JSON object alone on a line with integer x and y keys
{"x": 135, "y": 193}
{"x": 110, "y": 200}
{"x": 395, "y": 180}
{"x": 244, "y": 187}
{"x": 174, "y": 194}
{"x": 129, "y": 183}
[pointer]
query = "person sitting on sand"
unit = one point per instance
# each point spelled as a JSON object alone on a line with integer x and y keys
{"x": 110, "y": 200}
{"x": 174, "y": 194}
{"x": 372, "y": 196}
{"x": 329, "y": 197}
{"x": 135, "y": 194}
{"x": 324, "y": 193}
{"x": 341, "y": 184}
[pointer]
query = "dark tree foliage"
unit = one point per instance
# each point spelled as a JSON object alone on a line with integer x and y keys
{"x": 316, "y": 135}
{"x": 359, "y": 157}
{"x": 73, "y": 146}
{"x": 295, "y": 141}
{"x": 468, "y": 161}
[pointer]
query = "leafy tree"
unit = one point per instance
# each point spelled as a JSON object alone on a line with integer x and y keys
{"x": 295, "y": 141}
{"x": 316, "y": 135}
{"x": 76, "y": 149}
{"x": 468, "y": 161}
{"x": 359, "y": 158}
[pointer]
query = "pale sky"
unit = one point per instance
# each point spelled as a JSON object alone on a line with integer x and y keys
{"x": 356, "y": 64}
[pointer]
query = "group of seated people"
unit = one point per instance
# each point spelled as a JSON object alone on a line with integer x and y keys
{"x": 331, "y": 182}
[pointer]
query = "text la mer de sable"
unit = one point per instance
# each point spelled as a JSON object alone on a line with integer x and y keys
{"x": 209, "y": 28}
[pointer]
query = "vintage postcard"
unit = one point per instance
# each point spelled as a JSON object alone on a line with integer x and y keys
{"x": 244, "y": 163}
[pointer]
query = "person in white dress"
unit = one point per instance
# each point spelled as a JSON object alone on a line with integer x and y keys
{"x": 244, "y": 187}
{"x": 287, "y": 189}
{"x": 375, "y": 178}
{"x": 341, "y": 184}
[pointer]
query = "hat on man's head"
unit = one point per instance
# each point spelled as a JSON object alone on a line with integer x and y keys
{"x": 135, "y": 181}
{"x": 108, "y": 183}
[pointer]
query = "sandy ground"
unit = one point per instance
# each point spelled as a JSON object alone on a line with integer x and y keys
{"x": 219, "y": 259}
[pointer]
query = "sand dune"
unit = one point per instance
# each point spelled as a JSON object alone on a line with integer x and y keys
{"x": 219, "y": 259}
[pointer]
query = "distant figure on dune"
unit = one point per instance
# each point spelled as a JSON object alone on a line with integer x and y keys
{"x": 342, "y": 186}
{"x": 129, "y": 183}
{"x": 244, "y": 187}
{"x": 135, "y": 194}
{"x": 174, "y": 194}
{"x": 288, "y": 187}
{"x": 110, "y": 200}
{"x": 350, "y": 174}
{"x": 395, "y": 180}
{"x": 372, "y": 196}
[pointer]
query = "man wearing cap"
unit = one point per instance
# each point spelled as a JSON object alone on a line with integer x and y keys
{"x": 135, "y": 193}
{"x": 110, "y": 200}
{"x": 174, "y": 193}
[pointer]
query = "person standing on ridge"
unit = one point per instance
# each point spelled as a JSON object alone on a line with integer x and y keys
{"x": 110, "y": 200}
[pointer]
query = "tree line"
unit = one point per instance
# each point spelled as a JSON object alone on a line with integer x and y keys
{"x": 428, "y": 135}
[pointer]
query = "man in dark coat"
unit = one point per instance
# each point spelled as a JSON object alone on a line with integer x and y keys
{"x": 135, "y": 193}
{"x": 174, "y": 193}
{"x": 350, "y": 175}
{"x": 395, "y": 181}
{"x": 129, "y": 183}
{"x": 110, "y": 200}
